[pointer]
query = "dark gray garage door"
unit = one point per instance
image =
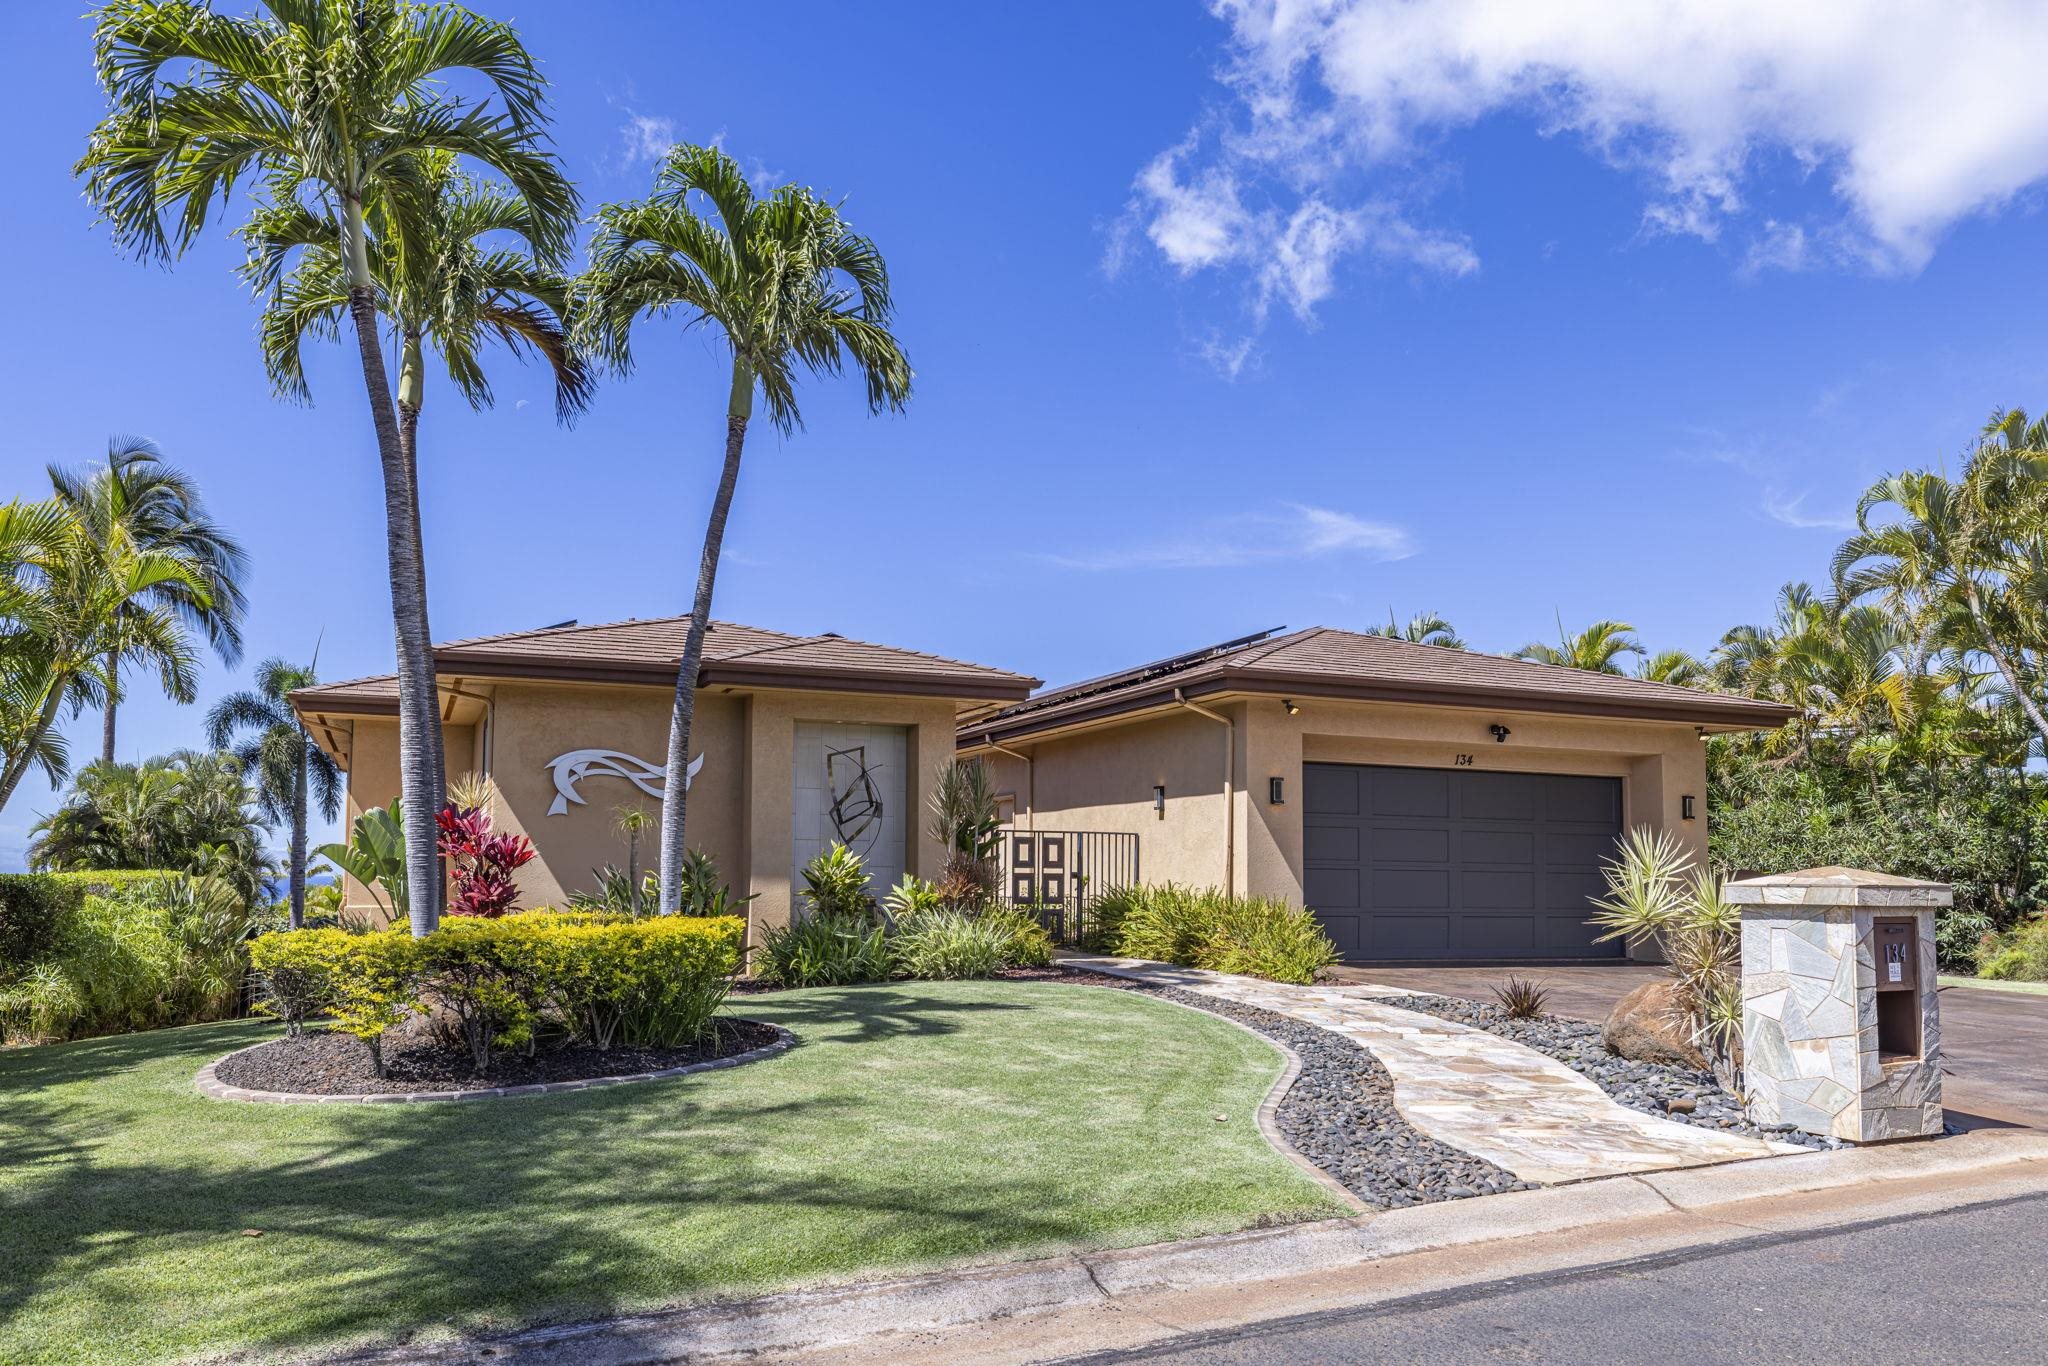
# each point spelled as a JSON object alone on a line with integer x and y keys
{"x": 1449, "y": 863}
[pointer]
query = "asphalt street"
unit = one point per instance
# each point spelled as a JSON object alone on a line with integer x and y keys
{"x": 1959, "y": 1285}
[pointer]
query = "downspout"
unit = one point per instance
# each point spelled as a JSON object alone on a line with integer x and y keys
{"x": 1030, "y": 783}
{"x": 1229, "y": 789}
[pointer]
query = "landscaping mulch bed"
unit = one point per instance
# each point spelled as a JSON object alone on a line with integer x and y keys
{"x": 416, "y": 1059}
{"x": 1651, "y": 1087}
{"x": 1340, "y": 1113}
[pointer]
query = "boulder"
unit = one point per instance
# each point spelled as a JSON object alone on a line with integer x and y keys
{"x": 1647, "y": 1026}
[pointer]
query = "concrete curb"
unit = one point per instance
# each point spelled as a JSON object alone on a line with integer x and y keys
{"x": 845, "y": 1316}
{"x": 211, "y": 1086}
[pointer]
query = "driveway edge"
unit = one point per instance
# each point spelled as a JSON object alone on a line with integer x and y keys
{"x": 843, "y": 1317}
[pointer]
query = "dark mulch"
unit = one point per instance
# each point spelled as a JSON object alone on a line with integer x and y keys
{"x": 415, "y": 1059}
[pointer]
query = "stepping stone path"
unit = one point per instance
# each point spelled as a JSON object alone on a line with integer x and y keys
{"x": 1489, "y": 1096}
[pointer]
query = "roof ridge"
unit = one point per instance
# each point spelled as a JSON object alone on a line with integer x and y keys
{"x": 1260, "y": 649}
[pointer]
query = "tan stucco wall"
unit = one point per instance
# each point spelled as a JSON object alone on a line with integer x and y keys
{"x": 1102, "y": 779}
{"x": 746, "y": 825}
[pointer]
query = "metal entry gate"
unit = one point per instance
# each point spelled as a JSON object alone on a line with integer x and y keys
{"x": 1053, "y": 873}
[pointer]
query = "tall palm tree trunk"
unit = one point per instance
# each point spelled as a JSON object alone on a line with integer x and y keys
{"x": 297, "y": 856}
{"x": 411, "y": 384}
{"x": 17, "y": 768}
{"x": 674, "y": 793}
{"x": 113, "y": 701}
{"x": 419, "y": 713}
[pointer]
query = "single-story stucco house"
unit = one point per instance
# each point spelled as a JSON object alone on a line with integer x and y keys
{"x": 1429, "y": 804}
{"x": 801, "y": 741}
{"x": 1426, "y": 803}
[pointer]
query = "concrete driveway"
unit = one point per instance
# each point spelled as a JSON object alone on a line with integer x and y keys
{"x": 1994, "y": 1043}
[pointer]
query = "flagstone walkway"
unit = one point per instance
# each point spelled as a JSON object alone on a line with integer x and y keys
{"x": 1489, "y": 1096}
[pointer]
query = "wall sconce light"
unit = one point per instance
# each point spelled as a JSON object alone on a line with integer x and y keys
{"x": 1288, "y": 703}
{"x": 1499, "y": 732}
{"x": 1276, "y": 791}
{"x": 1159, "y": 800}
{"x": 1685, "y": 807}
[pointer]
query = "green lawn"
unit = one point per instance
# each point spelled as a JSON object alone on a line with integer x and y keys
{"x": 1990, "y": 984}
{"x": 915, "y": 1124}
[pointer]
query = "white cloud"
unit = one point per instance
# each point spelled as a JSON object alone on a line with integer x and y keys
{"x": 1291, "y": 531}
{"x": 1790, "y": 509}
{"x": 645, "y": 138}
{"x": 1228, "y": 358}
{"x": 1910, "y": 114}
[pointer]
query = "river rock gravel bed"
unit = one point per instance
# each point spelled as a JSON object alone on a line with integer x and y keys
{"x": 1647, "y": 1086}
{"x": 1340, "y": 1113}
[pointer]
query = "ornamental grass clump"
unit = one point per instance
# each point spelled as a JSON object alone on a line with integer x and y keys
{"x": 826, "y": 951}
{"x": 948, "y": 945}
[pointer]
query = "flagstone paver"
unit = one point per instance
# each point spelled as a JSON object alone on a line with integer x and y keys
{"x": 1489, "y": 1096}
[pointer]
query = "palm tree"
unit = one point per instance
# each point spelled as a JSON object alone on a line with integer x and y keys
{"x": 1598, "y": 648}
{"x": 336, "y": 106}
{"x": 291, "y": 772}
{"x": 187, "y": 810}
{"x": 70, "y": 596}
{"x": 1424, "y": 628}
{"x": 444, "y": 277}
{"x": 1677, "y": 667}
{"x": 790, "y": 287}
{"x": 161, "y": 508}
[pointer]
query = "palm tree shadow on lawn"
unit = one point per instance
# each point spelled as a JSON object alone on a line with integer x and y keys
{"x": 482, "y": 1216}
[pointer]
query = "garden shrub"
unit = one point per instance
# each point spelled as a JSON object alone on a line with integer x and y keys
{"x": 1267, "y": 937}
{"x": 836, "y": 884}
{"x": 33, "y": 908}
{"x": 492, "y": 977}
{"x": 912, "y": 896}
{"x": 295, "y": 971}
{"x": 1025, "y": 942}
{"x": 1207, "y": 928}
{"x": 941, "y": 946}
{"x": 2021, "y": 954}
{"x": 1102, "y": 918}
{"x": 143, "y": 951}
{"x": 651, "y": 983}
{"x": 826, "y": 951}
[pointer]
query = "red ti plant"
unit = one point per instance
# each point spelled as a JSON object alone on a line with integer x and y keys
{"x": 482, "y": 863}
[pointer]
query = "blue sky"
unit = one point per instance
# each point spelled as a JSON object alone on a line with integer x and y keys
{"x": 1221, "y": 321}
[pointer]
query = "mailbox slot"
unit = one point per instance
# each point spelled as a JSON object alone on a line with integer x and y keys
{"x": 1895, "y": 944}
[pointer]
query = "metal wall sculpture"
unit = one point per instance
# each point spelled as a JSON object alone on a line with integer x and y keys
{"x": 856, "y": 808}
{"x": 572, "y": 768}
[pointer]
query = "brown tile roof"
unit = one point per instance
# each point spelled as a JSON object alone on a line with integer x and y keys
{"x": 648, "y": 652}
{"x": 1324, "y": 662}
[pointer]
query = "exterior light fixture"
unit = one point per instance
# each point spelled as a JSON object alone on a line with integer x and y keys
{"x": 1685, "y": 807}
{"x": 1499, "y": 732}
{"x": 1276, "y": 791}
{"x": 1288, "y": 703}
{"x": 1159, "y": 800}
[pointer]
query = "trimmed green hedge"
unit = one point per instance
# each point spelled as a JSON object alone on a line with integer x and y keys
{"x": 585, "y": 976}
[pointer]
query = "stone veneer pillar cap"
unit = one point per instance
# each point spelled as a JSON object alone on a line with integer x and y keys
{"x": 1838, "y": 887}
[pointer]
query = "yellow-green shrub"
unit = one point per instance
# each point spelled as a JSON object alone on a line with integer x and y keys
{"x": 652, "y": 983}
{"x": 367, "y": 983}
{"x": 2022, "y": 954}
{"x": 1206, "y": 928}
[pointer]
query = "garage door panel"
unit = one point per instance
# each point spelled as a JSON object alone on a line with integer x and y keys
{"x": 1331, "y": 843}
{"x": 1596, "y": 801}
{"x": 1496, "y": 796}
{"x": 1410, "y": 889}
{"x": 1403, "y": 863}
{"x": 1331, "y": 789}
{"x": 1398, "y": 844}
{"x": 1517, "y": 847}
{"x": 1489, "y": 889}
{"x": 1408, "y": 936}
{"x": 1332, "y": 891}
{"x": 1410, "y": 792}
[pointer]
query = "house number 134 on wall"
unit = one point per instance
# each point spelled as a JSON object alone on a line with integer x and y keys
{"x": 1464, "y": 761}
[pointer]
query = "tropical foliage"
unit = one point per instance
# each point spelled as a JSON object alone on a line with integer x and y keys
{"x": 292, "y": 774}
{"x": 789, "y": 288}
{"x": 1599, "y": 648}
{"x": 138, "y": 499}
{"x": 190, "y": 811}
{"x": 1424, "y": 628}
{"x": 1205, "y": 927}
{"x": 374, "y": 855}
{"x": 345, "y": 118}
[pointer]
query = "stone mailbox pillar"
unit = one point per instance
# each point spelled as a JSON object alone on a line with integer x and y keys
{"x": 1841, "y": 1030}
